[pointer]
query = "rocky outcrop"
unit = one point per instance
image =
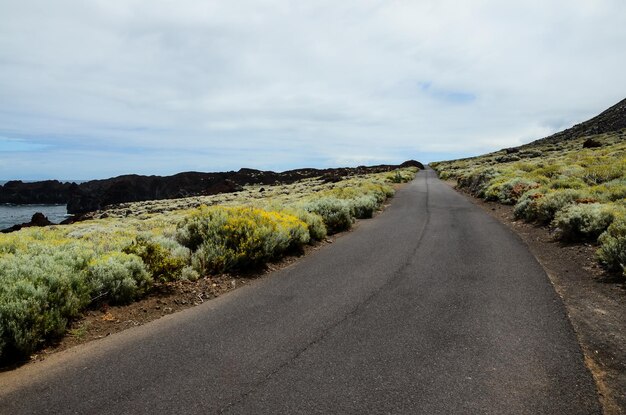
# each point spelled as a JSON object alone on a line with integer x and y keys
{"x": 97, "y": 194}
{"x": 412, "y": 163}
{"x": 48, "y": 192}
{"x": 591, "y": 143}
{"x": 38, "y": 219}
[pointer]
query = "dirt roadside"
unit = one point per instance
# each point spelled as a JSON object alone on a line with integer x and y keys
{"x": 595, "y": 301}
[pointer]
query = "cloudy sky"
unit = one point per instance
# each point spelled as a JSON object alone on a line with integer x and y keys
{"x": 92, "y": 89}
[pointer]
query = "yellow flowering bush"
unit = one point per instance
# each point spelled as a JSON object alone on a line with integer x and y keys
{"x": 228, "y": 238}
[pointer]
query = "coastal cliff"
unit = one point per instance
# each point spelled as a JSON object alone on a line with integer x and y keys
{"x": 96, "y": 194}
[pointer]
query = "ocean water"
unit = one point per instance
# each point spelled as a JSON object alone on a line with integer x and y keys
{"x": 15, "y": 214}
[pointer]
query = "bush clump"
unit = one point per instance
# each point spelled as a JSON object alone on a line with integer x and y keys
{"x": 477, "y": 181}
{"x": 118, "y": 276}
{"x": 509, "y": 191}
{"x": 39, "y": 292}
{"x": 612, "y": 252}
{"x": 362, "y": 200}
{"x": 363, "y": 207}
{"x": 229, "y": 238}
{"x": 542, "y": 205}
{"x": 334, "y": 212}
{"x": 163, "y": 262}
{"x": 584, "y": 221}
{"x": 402, "y": 175}
{"x": 314, "y": 222}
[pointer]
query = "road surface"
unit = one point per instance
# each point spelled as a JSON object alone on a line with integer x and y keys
{"x": 433, "y": 307}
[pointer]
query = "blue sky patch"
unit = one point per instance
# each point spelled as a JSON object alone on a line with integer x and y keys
{"x": 18, "y": 145}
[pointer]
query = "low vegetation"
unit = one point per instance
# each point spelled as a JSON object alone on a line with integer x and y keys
{"x": 48, "y": 276}
{"x": 577, "y": 189}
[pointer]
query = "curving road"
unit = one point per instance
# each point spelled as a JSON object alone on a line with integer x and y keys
{"x": 431, "y": 308}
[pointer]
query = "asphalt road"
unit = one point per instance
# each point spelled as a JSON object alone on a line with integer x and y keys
{"x": 431, "y": 308}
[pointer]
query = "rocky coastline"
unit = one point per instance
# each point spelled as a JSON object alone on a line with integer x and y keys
{"x": 98, "y": 194}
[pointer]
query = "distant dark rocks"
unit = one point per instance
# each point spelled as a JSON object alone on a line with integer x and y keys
{"x": 591, "y": 143}
{"x": 331, "y": 178}
{"x": 38, "y": 220}
{"x": 412, "y": 163}
{"x": 507, "y": 158}
{"x": 48, "y": 192}
{"x": 98, "y": 194}
{"x": 511, "y": 150}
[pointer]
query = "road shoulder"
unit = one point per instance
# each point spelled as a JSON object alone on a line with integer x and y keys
{"x": 595, "y": 303}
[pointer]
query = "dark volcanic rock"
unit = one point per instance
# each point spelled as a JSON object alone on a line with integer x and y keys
{"x": 591, "y": 143}
{"x": 45, "y": 192}
{"x": 97, "y": 194}
{"x": 38, "y": 219}
{"x": 412, "y": 163}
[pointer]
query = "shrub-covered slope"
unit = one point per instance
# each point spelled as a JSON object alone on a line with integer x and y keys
{"x": 573, "y": 182}
{"x": 49, "y": 275}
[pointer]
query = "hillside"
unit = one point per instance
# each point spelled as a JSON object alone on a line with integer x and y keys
{"x": 573, "y": 182}
{"x": 609, "y": 121}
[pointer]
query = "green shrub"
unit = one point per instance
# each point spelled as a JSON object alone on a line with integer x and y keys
{"x": 189, "y": 274}
{"x": 335, "y": 213}
{"x": 477, "y": 181}
{"x": 362, "y": 200}
{"x": 612, "y": 252}
{"x": 118, "y": 277}
{"x": 314, "y": 222}
{"x": 225, "y": 238}
{"x": 567, "y": 183}
{"x": 162, "y": 263}
{"x": 604, "y": 172}
{"x": 402, "y": 175}
{"x": 22, "y": 319}
{"x": 509, "y": 191}
{"x": 586, "y": 221}
{"x": 363, "y": 207}
{"x": 394, "y": 177}
{"x": 38, "y": 294}
{"x": 550, "y": 171}
{"x": 614, "y": 190}
{"x": 542, "y": 207}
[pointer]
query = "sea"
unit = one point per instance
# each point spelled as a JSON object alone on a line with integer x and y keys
{"x": 17, "y": 214}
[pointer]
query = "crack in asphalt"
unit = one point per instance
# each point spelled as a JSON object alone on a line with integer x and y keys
{"x": 395, "y": 275}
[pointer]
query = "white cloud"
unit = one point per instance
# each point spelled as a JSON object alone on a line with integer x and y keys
{"x": 316, "y": 83}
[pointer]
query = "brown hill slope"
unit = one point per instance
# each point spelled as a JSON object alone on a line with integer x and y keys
{"x": 610, "y": 120}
